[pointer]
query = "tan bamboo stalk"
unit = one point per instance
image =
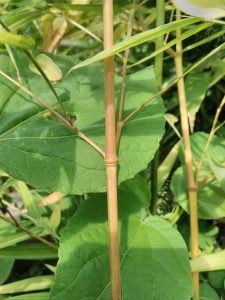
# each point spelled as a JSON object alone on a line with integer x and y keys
{"x": 192, "y": 190}
{"x": 111, "y": 157}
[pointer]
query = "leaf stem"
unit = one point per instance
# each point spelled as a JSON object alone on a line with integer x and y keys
{"x": 142, "y": 105}
{"x": 192, "y": 189}
{"x": 124, "y": 73}
{"x": 111, "y": 157}
{"x": 55, "y": 113}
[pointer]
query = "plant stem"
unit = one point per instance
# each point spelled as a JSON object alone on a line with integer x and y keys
{"x": 160, "y": 20}
{"x": 192, "y": 189}
{"x": 142, "y": 105}
{"x": 111, "y": 157}
{"x": 55, "y": 113}
{"x": 124, "y": 73}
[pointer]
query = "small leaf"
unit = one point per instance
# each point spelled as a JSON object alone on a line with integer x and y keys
{"x": 207, "y": 292}
{"x": 207, "y": 9}
{"x": 51, "y": 70}
{"x": 219, "y": 171}
{"x": 35, "y": 296}
{"x": 16, "y": 40}
{"x": 211, "y": 262}
{"x": 216, "y": 279}
{"x": 29, "y": 252}
{"x": 27, "y": 285}
{"x": 6, "y": 268}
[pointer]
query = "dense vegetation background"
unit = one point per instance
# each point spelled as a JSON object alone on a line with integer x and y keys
{"x": 51, "y": 180}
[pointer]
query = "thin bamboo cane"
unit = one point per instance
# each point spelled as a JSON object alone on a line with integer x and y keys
{"x": 160, "y": 20}
{"x": 192, "y": 189}
{"x": 111, "y": 157}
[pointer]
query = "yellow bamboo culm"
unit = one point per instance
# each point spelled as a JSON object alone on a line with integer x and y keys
{"x": 192, "y": 189}
{"x": 110, "y": 155}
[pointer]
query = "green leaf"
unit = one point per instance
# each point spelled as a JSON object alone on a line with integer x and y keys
{"x": 211, "y": 197}
{"x": 11, "y": 239}
{"x": 137, "y": 40}
{"x": 207, "y": 292}
{"x": 216, "y": 279}
{"x": 207, "y": 9}
{"x": 219, "y": 171}
{"x": 51, "y": 70}
{"x": 16, "y": 40}
{"x": 29, "y": 252}
{"x": 195, "y": 92}
{"x": 83, "y": 268}
{"x": 6, "y": 268}
{"x": 48, "y": 155}
{"x": 27, "y": 285}
{"x": 36, "y": 296}
{"x": 210, "y": 262}
{"x": 79, "y": 7}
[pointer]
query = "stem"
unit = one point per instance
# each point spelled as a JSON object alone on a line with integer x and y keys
{"x": 192, "y": 189}
{"x": 160, "y": 20}
{"x": 211, "y": 134}
{"x": 55, "y": 113}
{"x": 124, "y": 73}
{"x": 111, "y": 157}
{"x": 13, "y": 222}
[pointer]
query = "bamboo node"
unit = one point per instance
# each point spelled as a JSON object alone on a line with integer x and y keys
{"x": 193, "y": 188}
{"x": 111, "y": 162}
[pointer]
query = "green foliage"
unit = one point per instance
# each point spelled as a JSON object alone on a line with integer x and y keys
{"x": 207, "y": 292}
{"x": 6, "y": 268}
{"x": 40, "y": 154}
{"x": 211, "y": 204}
{"x": 16, "y": 40}
{"x": 63, "y": 159}
{"x": 84, "y": 252}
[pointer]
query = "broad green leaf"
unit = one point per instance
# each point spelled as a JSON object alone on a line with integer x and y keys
{"x": 137, "y": 40}
{"x": 35, "y": 296}
{"x": 29, "y": 252}
{"x": 83, "y": 268}
{"x": 6, "y": 265}
{"x": 16, "y": 40}
{"x": 48, "y": 155}
{"x": 51, "y": 70}
{"x": 207, "y": 9}
{"x": 27, "y": 285}
{"x": 216, "y": 279}
{"x": 207, "y": 292}
{"x": 211, "y": 262}
{"x": 211, "y": 197}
